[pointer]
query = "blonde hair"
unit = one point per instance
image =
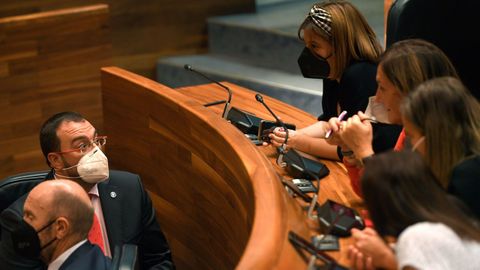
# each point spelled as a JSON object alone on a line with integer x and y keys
{"x": 352, "y": 38}
{"x": 449, "y": 117}
{"x": 408, "y": 63}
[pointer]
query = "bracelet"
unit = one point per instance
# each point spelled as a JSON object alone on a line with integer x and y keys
{"x": 362, "y": 160}
{"x": 347, "y": 153}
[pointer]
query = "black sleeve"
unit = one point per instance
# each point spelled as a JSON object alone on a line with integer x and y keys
{"x": 153, "y": 247}
{"x": 329, "y": 100}
{"x": 465, "y": 184}
{"x": 385, "y": 136}
{"x": 357, "y": 84}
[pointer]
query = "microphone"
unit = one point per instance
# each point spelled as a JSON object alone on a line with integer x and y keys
{"x": 259, "y": 98}
{"x": 300, "y": 242}
{"x": 328, "y": 241}
{"x": 227, "y": 103}
{"x": 340, "y": 214}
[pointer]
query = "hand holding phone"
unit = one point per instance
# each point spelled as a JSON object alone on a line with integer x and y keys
{"x": 266, "y": 127}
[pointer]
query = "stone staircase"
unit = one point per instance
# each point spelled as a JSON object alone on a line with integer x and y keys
{"x": 259, "y": 51}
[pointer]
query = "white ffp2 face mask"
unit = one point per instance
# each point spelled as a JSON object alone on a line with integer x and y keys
{"x": 377, "y": 110}
{"x": 92, "y": 167}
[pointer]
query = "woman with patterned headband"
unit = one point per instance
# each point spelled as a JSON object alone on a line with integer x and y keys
{"x": 342, "y": 49}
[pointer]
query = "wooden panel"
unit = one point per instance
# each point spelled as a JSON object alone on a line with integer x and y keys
{"x": 218, "y": 199}
{"x": 144, "y": 31}
{"x": 49, "y": 62}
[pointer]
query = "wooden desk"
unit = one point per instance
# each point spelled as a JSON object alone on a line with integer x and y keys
{"x": 336, "y": 186}
{"x": 218, "y": 197}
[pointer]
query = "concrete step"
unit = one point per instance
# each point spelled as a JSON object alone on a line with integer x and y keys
{"x": 290, "y": 88}
{"x": 267, "y": 38}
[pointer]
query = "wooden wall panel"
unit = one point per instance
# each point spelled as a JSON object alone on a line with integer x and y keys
{"x": 143, "y": 31}
{"x": 49, "y": 62}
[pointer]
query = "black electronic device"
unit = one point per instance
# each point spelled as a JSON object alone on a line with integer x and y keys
{"x": 266, "y": 127}
{"x": 326, "y": 242}
{"x": 296, "y": 190}
{"x": 305, "y": 186}
{"x": 299, "y": 166}
{"x": 301, "y": 243}
{"x": 245, "y": 121}
{"x": 338, "y": 219}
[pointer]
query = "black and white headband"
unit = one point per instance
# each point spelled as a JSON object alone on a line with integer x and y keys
{"x": 322, "y": 19}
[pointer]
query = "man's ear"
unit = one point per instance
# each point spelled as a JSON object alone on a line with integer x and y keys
{"x": 62, "y": 226}
{"x": 55, "y": 160}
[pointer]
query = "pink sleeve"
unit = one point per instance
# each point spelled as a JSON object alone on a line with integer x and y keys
{"x": 355, "y": 173}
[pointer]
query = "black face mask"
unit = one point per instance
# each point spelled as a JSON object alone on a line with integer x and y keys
{"x": 312, "y": 66}
{"x": 25, "y": 239}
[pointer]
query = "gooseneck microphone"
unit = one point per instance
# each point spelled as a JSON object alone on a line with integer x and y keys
{"x": 259, "y": 98}
{"x": 227, "y": 104}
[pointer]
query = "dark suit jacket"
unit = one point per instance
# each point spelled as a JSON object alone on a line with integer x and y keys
{"x": 465, "y": 183}
{"x": 86, "y": 256}
{"x": 129, "y": 219}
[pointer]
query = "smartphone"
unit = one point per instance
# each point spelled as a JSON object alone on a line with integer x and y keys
{"x": 300, "y": 242}
{"x": 266, "y": 127}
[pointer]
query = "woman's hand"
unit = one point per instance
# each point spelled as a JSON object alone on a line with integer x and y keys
{"x": 370, "y": 251}
{"x": 357, "y": 135}
{"x": 277, "y": 137}
{"x": 334, "y": 125}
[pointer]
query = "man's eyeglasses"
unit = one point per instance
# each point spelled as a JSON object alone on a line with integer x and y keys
{"x": 86, "y": 146}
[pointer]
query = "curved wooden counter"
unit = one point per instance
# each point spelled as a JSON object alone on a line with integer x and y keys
{"x": 218, "y": 199}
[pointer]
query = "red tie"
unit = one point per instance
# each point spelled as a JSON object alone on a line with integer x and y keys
{"x": 95, "y": 234}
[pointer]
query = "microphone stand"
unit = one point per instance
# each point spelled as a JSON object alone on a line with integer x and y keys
{"x": 326, "y": 238}
{"x": 282, "y": 148}
{"x": 227, "y": 103}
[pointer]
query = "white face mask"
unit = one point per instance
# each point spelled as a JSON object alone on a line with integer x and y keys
{"x": 92, "y": 167}
{"x": 417, "y": 144}
{"x": 377, "y": 110}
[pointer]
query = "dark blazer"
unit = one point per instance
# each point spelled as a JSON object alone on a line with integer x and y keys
{"x": 465, "y": 183}
{"x": 129, "y": 218}
{"x": 356, "y": 85}
{"x": 86, "y": 256}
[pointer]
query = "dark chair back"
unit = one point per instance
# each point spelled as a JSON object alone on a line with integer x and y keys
{"x": 125, "y": 258}
{"x": 445, "y": 23}
{"x": 14, "y": 187}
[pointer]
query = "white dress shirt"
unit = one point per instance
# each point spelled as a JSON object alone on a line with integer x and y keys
{"x": 57, "y": 263}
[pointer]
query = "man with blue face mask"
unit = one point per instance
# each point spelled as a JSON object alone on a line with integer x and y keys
{"x": 57, "y": 217}
{"x": 123, "y": 210}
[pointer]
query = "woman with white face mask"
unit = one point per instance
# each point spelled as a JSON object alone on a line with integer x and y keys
{"x": 442, "y": 121}
{"x": 402, "y": 67}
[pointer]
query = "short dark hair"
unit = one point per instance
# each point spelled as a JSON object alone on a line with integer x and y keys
{"x": 49, "y": 141}
{"x": 400, "y": 190}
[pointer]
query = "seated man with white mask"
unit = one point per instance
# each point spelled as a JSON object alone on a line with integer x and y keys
{"x": 123, "y": 210}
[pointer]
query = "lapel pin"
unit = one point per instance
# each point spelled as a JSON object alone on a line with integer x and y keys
{"x": 113, "y": 194}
